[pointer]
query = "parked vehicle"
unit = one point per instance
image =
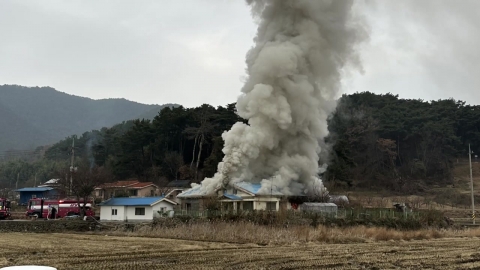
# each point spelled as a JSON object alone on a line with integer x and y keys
{"x": 51, "y": 208}
{"x": 5, "y": 207}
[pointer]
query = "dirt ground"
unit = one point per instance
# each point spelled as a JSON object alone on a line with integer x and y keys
{"x": 75, "y": 251}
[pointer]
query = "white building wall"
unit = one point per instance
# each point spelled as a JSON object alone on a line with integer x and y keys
{"x": 130, "y": 213}
{"x": 261, "y": 203}
{"x": 157, "y": 207}
{"x": 106, "y": 213}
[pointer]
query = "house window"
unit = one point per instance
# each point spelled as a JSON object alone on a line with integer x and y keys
{"x": 139, "y": 211}
{"x": 152, "y": 193}
{"x": 34, "y": 196}
{"x": 114, "y": 212}
{"x": 163, "y": 209}
{"x": 247, "y": 206}
{"x": 271, "y": 206}
{"x": 133, "y": 192}
{"x": 234, "y": 191}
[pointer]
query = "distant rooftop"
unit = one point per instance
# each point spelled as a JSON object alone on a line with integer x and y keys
{"x": 34, "y": 189}
{"x": 179, "y": 183}
{"x": 126, "y": 184}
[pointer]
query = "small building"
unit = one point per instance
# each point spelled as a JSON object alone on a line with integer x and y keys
{"x": 35, "y": 192}
{"x": 326, "y": 209}
{"x": 129, "y": 188}
{"x": 134, "y": 209}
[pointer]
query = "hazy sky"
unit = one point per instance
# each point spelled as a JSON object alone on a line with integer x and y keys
{"x": 192, "y": 51}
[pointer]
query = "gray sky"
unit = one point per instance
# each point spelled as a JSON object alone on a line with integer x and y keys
{"x": 192, "y": 51}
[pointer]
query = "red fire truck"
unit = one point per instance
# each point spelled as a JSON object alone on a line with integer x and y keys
{"x": 51, "y": 208}
{"x": 5, "y": 208}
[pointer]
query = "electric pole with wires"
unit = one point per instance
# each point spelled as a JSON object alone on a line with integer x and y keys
{"x": 72, "y": 168}
{"x": 471, "y": 183}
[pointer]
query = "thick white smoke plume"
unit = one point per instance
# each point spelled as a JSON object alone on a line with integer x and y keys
{"x": 294, "y": 77}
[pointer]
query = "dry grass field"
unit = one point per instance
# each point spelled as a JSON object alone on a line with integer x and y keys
{"x": 75, "y": 251}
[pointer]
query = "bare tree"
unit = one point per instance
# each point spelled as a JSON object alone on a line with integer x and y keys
{"x": 84, "y": 181}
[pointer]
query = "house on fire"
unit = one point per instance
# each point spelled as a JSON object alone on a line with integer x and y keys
{"x": 241, "y": 196}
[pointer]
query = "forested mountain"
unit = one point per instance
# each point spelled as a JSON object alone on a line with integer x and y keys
{"x": 33, "y": 116}
{"x": 376, "y": 142}
{"x": 179, "y": 143}
{"x": 399, "y": 144}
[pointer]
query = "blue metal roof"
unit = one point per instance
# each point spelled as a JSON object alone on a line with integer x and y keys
{"x": 232, "y": 197}
{"x": 131, "y": 201}
{"x": 195, "y": 191}
{"x": 34, "y": 189}
{"x": 255, "y": 188}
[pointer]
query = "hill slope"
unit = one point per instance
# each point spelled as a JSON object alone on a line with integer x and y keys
{"x": 33, "y": 116}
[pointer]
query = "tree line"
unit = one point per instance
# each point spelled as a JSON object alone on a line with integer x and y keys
{"x": 376, "y": 141}
{"x": 399, "y": 144}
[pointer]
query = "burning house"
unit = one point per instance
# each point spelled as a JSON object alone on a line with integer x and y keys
{"x": 241, "y": 196}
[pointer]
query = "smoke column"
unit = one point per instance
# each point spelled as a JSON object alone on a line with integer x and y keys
{"x": 294, "y": 72}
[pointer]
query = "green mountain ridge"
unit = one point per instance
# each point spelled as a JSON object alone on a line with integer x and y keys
{"x": 34, "y": 116}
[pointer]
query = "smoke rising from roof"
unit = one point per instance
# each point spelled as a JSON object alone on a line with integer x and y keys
{"x": 294, "y": 75}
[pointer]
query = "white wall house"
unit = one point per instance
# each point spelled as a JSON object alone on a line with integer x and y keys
{"x": 145, "y": 208}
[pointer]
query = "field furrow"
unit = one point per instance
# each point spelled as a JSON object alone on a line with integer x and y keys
{"x": 75, "y": 251}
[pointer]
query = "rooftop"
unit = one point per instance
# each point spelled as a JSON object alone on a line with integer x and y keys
{"x": 232, "y": 197}
{"x": 141, "y": 185}
{"x": 144, "y": 201}
{"x": 253, "y": 188}
{"x": 179, "y": 183}
{"x": 125, "y": 184}
{"x": 34, "y": 189}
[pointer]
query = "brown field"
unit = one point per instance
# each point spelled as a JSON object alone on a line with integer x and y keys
{"x": 75, "y": 251}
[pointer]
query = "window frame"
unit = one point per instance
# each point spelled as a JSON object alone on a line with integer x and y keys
{"x": 139, "y": 211}
{"x": 269, "y": 206}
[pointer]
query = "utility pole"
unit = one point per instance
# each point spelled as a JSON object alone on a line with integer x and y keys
{"x": 471, "y": 183}
{"x": 71, "y": 165}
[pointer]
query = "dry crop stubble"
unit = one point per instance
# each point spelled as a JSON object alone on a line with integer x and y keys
{"x": 75, "y": 251}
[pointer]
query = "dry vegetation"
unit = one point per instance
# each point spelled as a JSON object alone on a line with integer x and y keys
{"x": 75, "y": 251}
{"x": 245, "y": 232}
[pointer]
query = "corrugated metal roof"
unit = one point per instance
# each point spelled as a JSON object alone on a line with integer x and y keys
{"x": 34, "y": 189}
{"x": 232, "y": 197}
{"x": 255, "y": 188}
{"x": 319, "y": 204}
{"x": 119, "y": 184}
{"x": 141, "y": 185}
{"x": 193, "y": 192}
{"x": 131, "y": 201}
